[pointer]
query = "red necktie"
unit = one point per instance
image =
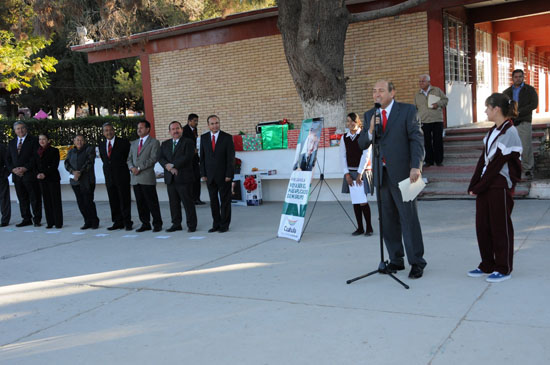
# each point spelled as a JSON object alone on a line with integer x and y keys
{"x": 213, "y": 143}
{"x": 109, "y": 149}
{"x": 140, "y": 146}
{"x": 384, "y": 120}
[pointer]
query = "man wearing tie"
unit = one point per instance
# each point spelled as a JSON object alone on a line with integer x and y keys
{"x": 114, "y": 154}
{"x": 141, "y": 161}
{"x": 190, "y": 131}
{"x": 401, "y": 153}
{"x": 176, "y": 156}
{"x": 217, "y": 163}
{"x": 5, "y": 203}
{"x": 21, "y": 161}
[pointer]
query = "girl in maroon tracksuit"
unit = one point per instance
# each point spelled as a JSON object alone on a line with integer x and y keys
{"x": 497, "y": 172}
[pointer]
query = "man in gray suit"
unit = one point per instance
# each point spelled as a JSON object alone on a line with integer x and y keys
{"x": 141, "y": 162}
{"x": 401, "y": 154}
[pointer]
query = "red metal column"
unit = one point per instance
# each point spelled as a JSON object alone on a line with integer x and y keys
{"x": 436, "y": 52}
{"x": 147, "y": 92}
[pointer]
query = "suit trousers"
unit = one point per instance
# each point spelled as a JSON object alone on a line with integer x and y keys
{"x": 51, "y": 195}
{"x": 433, "y": 142}
{"x": 221, "y": 215}
{"x": 400, "y": 224}
{"x": 197, "y": 182}
{"x": 494, "y": 229}
{"x": 147, "y": 202}
{"x": 178, "y": 194}
{"x": 525, "y": 131}
{"x": 28, "y": 194}
{"x": 120, "y": 204}
{"x": 5, "y": 203}
{"x": 86, "y": 204}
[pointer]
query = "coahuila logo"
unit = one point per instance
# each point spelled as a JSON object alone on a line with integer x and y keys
{"x": 291, "y": 223}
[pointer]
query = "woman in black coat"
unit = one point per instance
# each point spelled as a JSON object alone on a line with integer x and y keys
{"x": 47, "y": 164}
{"x": 80, "y": 164}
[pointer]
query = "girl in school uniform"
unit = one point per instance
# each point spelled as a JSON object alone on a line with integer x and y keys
{"x": 497, "y": 172}
{"x": 357, "y": 168}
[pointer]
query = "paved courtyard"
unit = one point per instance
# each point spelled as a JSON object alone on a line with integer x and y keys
{"x": 247, "y": 297}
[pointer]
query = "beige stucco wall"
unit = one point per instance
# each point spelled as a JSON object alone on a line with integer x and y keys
{"x": 248, "y": 81}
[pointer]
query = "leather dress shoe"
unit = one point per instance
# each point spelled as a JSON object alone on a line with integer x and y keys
{"x": 49, "y": 226}
{"x": 4, "y": 224}
{"x": 86, "y": 226}
{"x": 94, "y": 226}
{"x": 115, "y": 226}
{"x": 38, "y": 224}
{"x": 223, "y": 230}
{"x": 191, "y": 230}
{"x": 416, "y": 272}
{"x": 394, "y": 267}
{"x": 358, "y": 232}
{"x": 157, "y": 229}
{"x": 143, "y": 229}
{"x": 213, "y": 229}
{"x": 128, "y": 227}
{"x": 174, "y": 229}
{"x": 24, "y": 224}
{"x": 199, "y": 202}
{"x": 369, "y": 233}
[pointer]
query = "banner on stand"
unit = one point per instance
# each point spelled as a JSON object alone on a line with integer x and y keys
{"x": 297, "y": 193}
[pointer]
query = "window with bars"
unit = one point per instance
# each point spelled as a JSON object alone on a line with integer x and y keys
{"x": 483, "y": 58}
{"x": 518, "y": 58}
{"x": 532, "y": 76}
{"x": 504, "y": 64}
{"x": 456, "y": 50}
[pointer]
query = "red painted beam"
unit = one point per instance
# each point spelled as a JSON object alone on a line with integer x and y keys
{"x": 508, "y": 10}
{"x": 531, "y": 33}
{"x": 540, "y": 42}
{"x": 514, "y": 25}
{"x": 435, "y": 49}
{"x": 147, "y": 91}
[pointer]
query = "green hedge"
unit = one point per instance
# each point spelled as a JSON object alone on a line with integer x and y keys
{"x": 62, "y": 132}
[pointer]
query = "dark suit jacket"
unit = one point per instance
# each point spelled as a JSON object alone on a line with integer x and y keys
{"x": 188, "y": 133}
{"x": 528, "y": 101}
{"x": 181, "y": 158}
{"x": 48, "y": 164}
{"x": 26, "y": 158}
{"x": 115, "y": 169}
{"x": 4, "y": 172}
{"x": 219, "y": 164}
{"x": 402, "y": 144}
{"x": 83, "y": 161}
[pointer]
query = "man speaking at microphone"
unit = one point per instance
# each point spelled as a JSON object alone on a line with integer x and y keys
{"x": 401, "y": 148}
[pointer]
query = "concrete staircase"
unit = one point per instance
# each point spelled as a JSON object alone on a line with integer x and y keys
{"x": 463, "y": 146}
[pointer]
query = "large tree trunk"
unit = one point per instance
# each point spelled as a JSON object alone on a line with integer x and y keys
{"x": 314, "y": 34}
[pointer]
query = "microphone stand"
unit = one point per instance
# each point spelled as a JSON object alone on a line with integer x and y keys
{"x": 383, "y": 265}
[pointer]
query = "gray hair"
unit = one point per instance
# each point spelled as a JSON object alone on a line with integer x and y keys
{"x": 19, "y": 123}
{"x": 427, "y": 77}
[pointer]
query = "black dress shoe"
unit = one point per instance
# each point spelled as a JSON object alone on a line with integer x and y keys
{"x": 416, "y": 272}
{"x": 174, "y": 229}
{"x": 199, "y": 202}
{"x": 49, "y": 226}
{"x": 128, "y": 228}
{"x": 24, "y": 224}
{"x": 86, "y": 226}
{"x": 213, "y": 229}
{"x": 115, "y": 227}
{"x": 358, "y": 232}
{"x": 191, "y": 230}
{"x": 38, "y": 224}
{"x": 223, "y": 230}
{"x": 439, "y": 164}
{"x": 94, "y": 226}
{"x": 58, "y": 227}
{"x": 428, "y": 165}
{"x": 394, "y": 267}
{"x": 157, "y": 229}
{"x": 369, "y": 233}
{"x": 4, "y": 224}
{"x": 143, "y": 229}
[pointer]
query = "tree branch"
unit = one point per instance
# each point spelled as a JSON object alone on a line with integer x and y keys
{"x": 384, "y": 12}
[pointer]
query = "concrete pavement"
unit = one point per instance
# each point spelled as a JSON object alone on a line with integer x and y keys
{"x": 246, "y": 297}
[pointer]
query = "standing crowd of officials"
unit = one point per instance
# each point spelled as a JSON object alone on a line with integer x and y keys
{"x": 33, "y": 164}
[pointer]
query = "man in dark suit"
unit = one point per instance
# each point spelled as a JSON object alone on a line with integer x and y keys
{"x": 114, "y": 154}
{"x": 217, "y": 154}
{"x": 5, "y": 203}
{"x": 190, "y": 131}
{"x": 21, "y": 161}
{"x": 176, "y": 156}
{"x": 401, "y": 154}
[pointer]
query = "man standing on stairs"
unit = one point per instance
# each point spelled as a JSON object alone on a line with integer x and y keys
{"x": 528, "y": 100}
{"x": 429, "y": 102}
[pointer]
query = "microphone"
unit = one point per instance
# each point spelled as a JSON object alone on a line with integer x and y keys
{"x": 377, "y": 118}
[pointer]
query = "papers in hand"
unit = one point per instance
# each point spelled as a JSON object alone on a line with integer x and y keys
{"x": 357, "y": 193}
{"x": 432, "y": 99}
{"x": 409, "y": 190}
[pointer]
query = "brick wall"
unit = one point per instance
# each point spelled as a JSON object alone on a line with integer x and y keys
{"x": 248, "y": 81}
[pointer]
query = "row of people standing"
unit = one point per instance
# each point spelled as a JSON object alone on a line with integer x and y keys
{"x": 34, "y": 166}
